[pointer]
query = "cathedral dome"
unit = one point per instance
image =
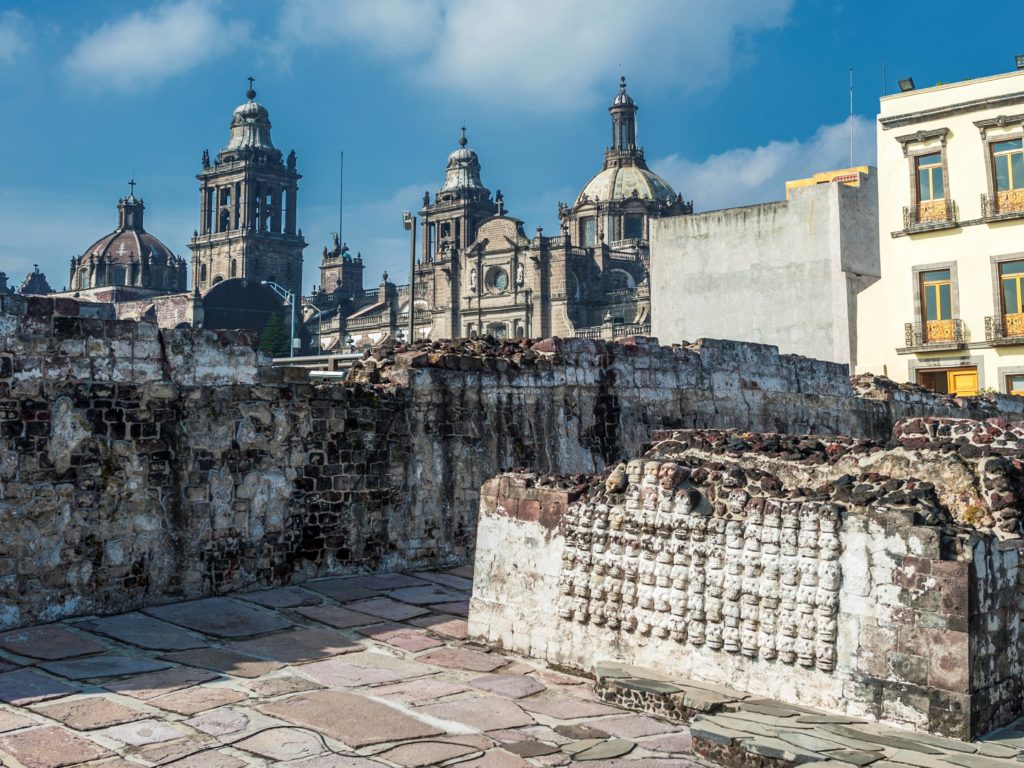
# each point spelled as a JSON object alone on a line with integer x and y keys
{"x": 130, "y": 242}
{"x": 628, "y": 181}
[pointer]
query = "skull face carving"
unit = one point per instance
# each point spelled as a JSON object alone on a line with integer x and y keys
{"x": 651, "y": 470}
{"x": 616, "y": 482}
{"x": 635, "y": 471}
{"x": 670, "y": 475}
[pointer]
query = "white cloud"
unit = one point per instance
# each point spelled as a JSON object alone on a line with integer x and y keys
{"x": 745, "y": 176}
{"x": 534, "y": 54}
{"x": 145, "y": 48}
{"x": 14, "y": 36}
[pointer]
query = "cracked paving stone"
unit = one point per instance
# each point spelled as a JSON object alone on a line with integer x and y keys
{"x": 143, "y": 733}
{"x": 49, "y": 642}
{"x": 496, "y": 758}
{"x": 354, "y": 720}
{"x": 422, "y": 691}
{"x": 673, "y": 743}
{"x": 51, "y": 747}
{"x": 220, "y": 617}
{"x": 444, "y": 625}
{"x": 279, "y": 686}
{"x": 25, "y": 686}
{"x": 11, "y": 721}
{"x": 90, "y": 713}
{"x": 224, "y": 660}
{"x": 364, "y": 668}
{"x": 567, "y": 707}
{"x": 455, "y": 608}
{"x": 809, "y": 741}
{"x": 154, "y": 684}
{"x": 336, "y": 616}
{"x": 170, "y": 752}
{"x": 283, "y": 744}
{"x": 401, "y": 636}
{"x": 777, "y": 749}
{"x": 510, "y": 686}
{"x": 425, "y": 753}
{"x": 632, "y": 726}
{"x": 192, "y": 701}
{"x": 219, "y": 722}
{"x": 384, "y": 582}
{"x": 299, "y": 645}
{"x": 463, "y": 658}
{"x": 432, "y": 593}
{"x": 606, "y": 750}
{"x": 143, "y": 631}
{"x": 893, "y": 742}
{"x": 447, "y": 580}
{"x": 530, "y": 748}
{"x": 282, "y": 597}
{"x": 581, "y": 732}
{"x": 334, "y": 761}
{"x": 92, "y": 667}
{"x": 482, "y": 713}
{"x": 386, "y": 608}
{"x": 341, "y": 589}
{"x": 212, "y": 759}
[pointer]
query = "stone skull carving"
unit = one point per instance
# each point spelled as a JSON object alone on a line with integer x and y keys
{"x": 617, "y": 480}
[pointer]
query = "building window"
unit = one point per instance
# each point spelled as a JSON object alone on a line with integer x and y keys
{"x": 930, "y": 182}
{"x": 633, "y": 226}
{"x": 234, "y": 267}
{"x": 1011, "y": 285}
{"x": 1015, "y": 384}
{"x": 588, "y": 232}
{"x": 937, "y": 305}
{"x": 962, "y": 382}
{"x": 1008, "y": 162}
{"x": 202, "y": 274}
{"x": 497, "y": 279}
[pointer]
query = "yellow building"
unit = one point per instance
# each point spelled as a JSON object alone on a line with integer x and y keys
{"x": 948, "y": 312}
{"x": 848, "y": 176}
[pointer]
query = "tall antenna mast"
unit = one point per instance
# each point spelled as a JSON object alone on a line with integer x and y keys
{"x": 341, "y": 196}
{"x": 851, "y": 117}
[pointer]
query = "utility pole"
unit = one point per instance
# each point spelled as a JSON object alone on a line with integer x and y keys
{"x": 851, "y": 117}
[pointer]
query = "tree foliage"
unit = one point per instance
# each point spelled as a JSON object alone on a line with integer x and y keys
{"x": 274, "y": 337}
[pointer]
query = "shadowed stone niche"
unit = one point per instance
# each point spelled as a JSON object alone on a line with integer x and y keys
{"x": 871, "y": 579}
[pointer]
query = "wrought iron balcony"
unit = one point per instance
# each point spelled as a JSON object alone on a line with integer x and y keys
{"x": 935, "y": 334}
{"x": 1005, "y": 329}
{"x": 1008, "y": 204}
{"x": 930, "y": 215}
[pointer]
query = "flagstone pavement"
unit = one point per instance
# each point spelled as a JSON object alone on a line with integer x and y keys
{"x": 366, "y": 671}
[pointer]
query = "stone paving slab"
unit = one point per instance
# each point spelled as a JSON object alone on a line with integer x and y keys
{"x": 224, "y": 660}
{"x": 91, "y": 713}
{"x": 51, "y": 747}
{"x": 103, "y": 665}
{"x": 354, "y": 720}
{"x": 26, "y": 686}
{"x": 49, "y": 642}
{"x": 329, "y": 679}
{"x": 425, "y": 595}
{"x": 221, "y": 617}
{"x": 143, "y": 631}
{"x": 449, "y": 580}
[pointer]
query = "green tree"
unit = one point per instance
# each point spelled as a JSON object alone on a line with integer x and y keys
{"x": 274, "y": 338}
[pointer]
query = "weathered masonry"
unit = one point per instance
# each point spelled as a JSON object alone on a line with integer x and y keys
{"x": 860, "y": 577}
{"x": 140, "y": 465}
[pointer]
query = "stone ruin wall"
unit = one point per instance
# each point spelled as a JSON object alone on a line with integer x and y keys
{"x": 789, "y": 567}
{"x": 140, "y": 465}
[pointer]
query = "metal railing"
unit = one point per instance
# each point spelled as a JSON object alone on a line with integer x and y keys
{"x": 1003, "y": 327}
{"x": 932, "y": 214}
{"x": 934, "y": 333}
{"x": 1006, "y": 204}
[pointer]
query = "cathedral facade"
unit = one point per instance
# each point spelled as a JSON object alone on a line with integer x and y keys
{"x": 478, "y": 272}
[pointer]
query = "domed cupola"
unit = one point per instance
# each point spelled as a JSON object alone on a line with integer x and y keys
{"x": 128, "y": 256}
{"x": 250, "y": 129}
{"x": 462, "y": 175}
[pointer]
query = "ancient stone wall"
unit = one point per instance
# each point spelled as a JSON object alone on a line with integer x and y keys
{"x": 788, "y": 567}
{"x": 139, "y": 464}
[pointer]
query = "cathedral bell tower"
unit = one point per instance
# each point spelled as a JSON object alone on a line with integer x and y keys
{"x": 247, "y": 208}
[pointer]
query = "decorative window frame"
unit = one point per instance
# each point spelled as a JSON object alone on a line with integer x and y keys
{"x": 912, "y": 153}
{"x": 916, "y": 271}
{"x": 983, "y": 126}
{"x": 997, "y": 289}
{"x": 918, "y": 364}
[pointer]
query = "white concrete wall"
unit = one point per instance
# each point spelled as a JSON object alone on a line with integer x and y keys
{"x": 777, "y": 273}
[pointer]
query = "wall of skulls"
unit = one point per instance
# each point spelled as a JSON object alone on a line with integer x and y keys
{"x": 649, "y": 555}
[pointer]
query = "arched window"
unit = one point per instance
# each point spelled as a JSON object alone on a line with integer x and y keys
{"x": 218, "y": 279}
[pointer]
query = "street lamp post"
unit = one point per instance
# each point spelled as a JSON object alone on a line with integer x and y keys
{"x": 289, "y": 299}
{"x": 410, "y": 224}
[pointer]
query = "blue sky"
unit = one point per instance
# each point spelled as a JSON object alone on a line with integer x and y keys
{"x": 735, "y": 97}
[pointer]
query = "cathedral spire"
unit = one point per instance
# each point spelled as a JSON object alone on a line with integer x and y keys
{"x": 623, "y": 111}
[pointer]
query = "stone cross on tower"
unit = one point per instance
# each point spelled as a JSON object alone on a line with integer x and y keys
{"x": 131, "y": 184}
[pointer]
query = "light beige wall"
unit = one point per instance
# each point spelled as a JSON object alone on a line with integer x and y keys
{"x": 889, "y": 304}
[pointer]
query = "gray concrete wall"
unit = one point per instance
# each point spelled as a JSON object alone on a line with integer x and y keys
{"x": 784, "y": 273}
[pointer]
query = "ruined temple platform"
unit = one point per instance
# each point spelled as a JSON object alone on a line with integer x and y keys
{"x": 375, "y": 671}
